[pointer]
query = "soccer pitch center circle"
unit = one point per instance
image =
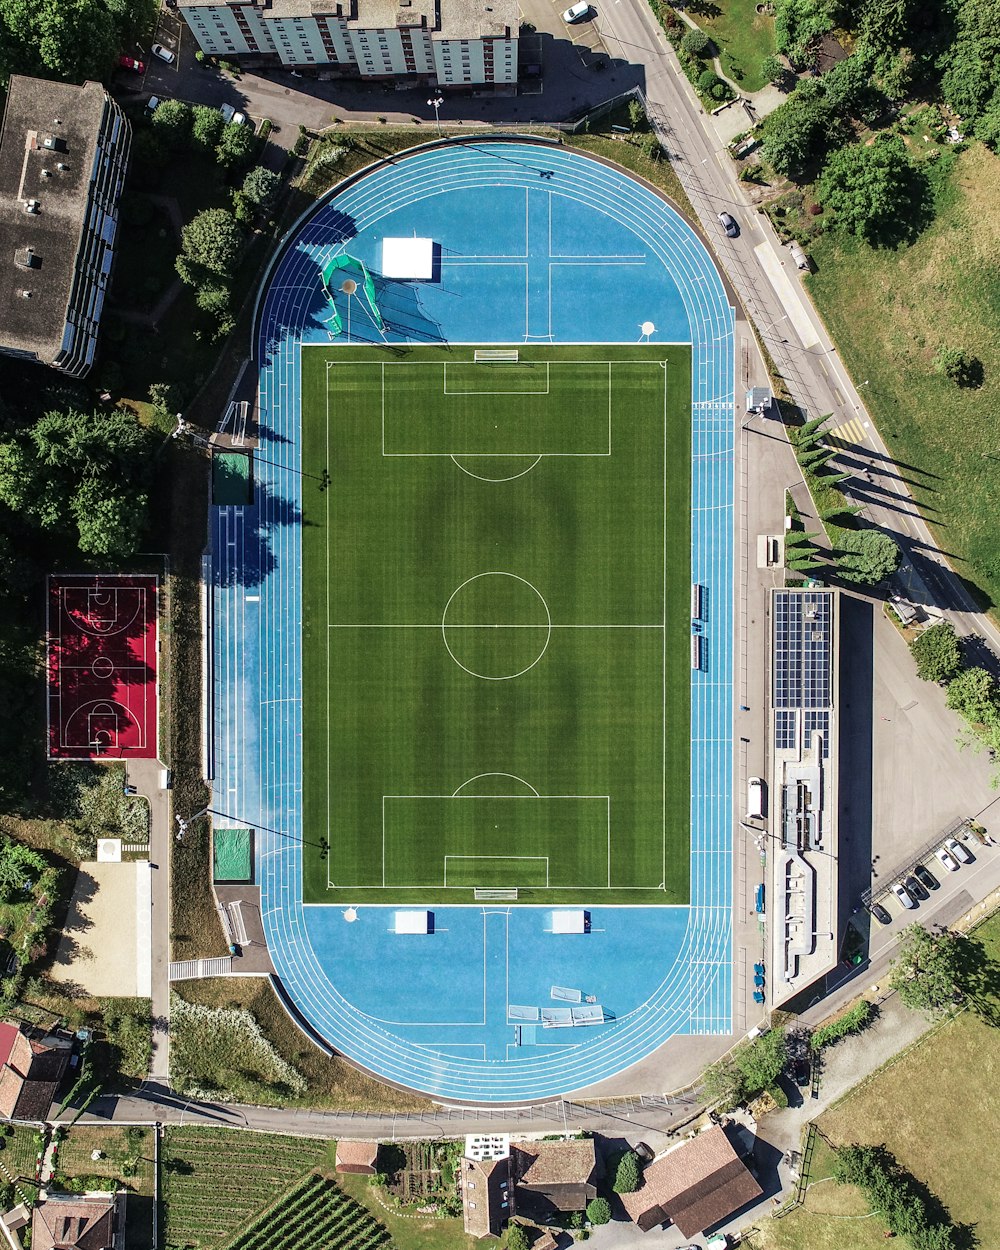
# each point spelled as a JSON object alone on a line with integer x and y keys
{"x": 496, "y": 626}
{"x": 535, "y": 243}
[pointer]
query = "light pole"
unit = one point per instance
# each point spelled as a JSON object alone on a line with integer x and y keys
{"x": 182, "y": 824}
{"x": 436, "y": 100}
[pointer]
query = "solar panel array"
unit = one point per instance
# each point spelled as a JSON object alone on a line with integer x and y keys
{"x": 785, "y": 730}
{"x": 802, "y": 649}
{"x": 820, "y": 721}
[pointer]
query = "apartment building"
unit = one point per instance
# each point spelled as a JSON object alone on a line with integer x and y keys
{"x": 450, "y": 43}
{"x": 63, "y": 155}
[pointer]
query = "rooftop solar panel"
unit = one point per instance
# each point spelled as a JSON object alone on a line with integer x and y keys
{"x": 802, "y": 649}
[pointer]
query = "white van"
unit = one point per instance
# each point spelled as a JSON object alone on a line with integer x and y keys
{"x": 755, "y": 798}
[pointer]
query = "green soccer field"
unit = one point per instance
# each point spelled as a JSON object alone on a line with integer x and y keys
{"x": 496, "y": 600}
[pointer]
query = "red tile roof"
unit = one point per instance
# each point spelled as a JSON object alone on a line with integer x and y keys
{"x": 695, "y": 1186}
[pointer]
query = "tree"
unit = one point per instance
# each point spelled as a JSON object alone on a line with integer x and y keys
{"x": 925, "y": 973}
{"x": 261, "y": 187}
{"x": 172, "y": 121}
{"x": 773, "y": 69}
{"x": 961, "y": 368}
{"x": 936, "y": 652}
{"x": 988, "y": 126}
{"x": 798, "y": 27}
{"x": 599, "y": 1211}
{"x": 869, "y": 189}
{"x": 696, "y": 44}
{"x": 235, "y": 146}
{"x": 627, "y": 1174}
{"x": 974, "y": 693}
{"x": 636, "y": 115}
{"x": 516, "y": 1238}
{"x": 798, "y": 134}
{"x": 210, "y": 246}
{"x": 71, "y": 40}
{"x": 206, "y": 128}
{"x": 867, "y": 557}
{"x": 762, "y": 1060}
{"x": 213, "y": 298}
{"x": 81, "y": 474}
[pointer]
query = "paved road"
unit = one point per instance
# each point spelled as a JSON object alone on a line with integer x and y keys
{"x": 795, "y": 337}
{"x": 146, "y": 775}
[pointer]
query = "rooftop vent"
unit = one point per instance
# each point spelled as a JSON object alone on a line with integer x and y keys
{"x": 46, "y": 173}
{"x": 24, "y": 294}
{"x": 31, "y": 206}
{"x": 27, "y": 259}
{"x": 60, "y": 165}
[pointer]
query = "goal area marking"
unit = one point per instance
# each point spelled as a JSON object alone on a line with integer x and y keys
{"x": 452, "y": 825}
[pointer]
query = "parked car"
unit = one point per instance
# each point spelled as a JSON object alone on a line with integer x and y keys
{"x": 576, "y": 12}
{"x": 959, "y": 851}
{"x": 755, "y": 798}
{"x": 229, "y": 114}
{"x": 926, "y": 877}
{"x": 945, "y": 859}
{"x": 129, "y": 62}
{"x": 915, "y": 888}
{"x": 880, "y": 914}
{"x": 163, "y": 53}
{"x": 728, "y": 223}
{"x": 904, "y": 895}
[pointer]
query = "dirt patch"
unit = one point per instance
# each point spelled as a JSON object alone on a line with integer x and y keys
{"x": 106, "y": 936}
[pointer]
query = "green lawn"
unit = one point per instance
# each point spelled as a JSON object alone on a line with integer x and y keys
{"x": 410, "y": 1231}
{"x": 889, "y": 312}
{"x": 743, "y": 36}
{"x": 496, "y": 621}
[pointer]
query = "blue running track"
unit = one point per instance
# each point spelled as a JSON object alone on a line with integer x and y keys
{"x": 537, "y": 244}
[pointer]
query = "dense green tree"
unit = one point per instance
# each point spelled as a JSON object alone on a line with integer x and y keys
{"x": 988, "y": 126}
{"x": 925, "y": 972}
{"x": 261, "y": 187}
{"x": 516, "y": 1238}
{"x": 636, "y": 115}
{"x": 66, "y": 39}
{"x": 970, "y": 62}
{"x": 696, "y": 44}
{"x": 235, "y": 147}
{"x": 762, "y": 1060}
{"x": 206, "y": 128}
{"x": 214, "y": 298}
{"x": 798, "y": 134}
{"x": 937, "y": 653}
{"x": 773, "y": 69}
{"x": 210, "y": 246}
{"x": 627, "y": 1173}
{"x": 868, "y": 189}
{"x": 172, "y": 121}
{"x": 599, "y": 1211}
{"x": 867, "y": 557}
{"x": 82, "y": 474}
{"x": 974, "y": 693}
{"x": 798, "y": 27}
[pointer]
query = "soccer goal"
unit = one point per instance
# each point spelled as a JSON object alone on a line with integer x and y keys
{"x": 494, "y": 356}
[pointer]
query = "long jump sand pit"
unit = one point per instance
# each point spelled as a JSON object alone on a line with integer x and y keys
{"x": 105, "y": 947}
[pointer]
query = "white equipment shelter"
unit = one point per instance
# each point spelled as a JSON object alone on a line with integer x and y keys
{"x": 412, "y": 922}
{"x": 408, "y": 258}
{"x": 569, "y": 922}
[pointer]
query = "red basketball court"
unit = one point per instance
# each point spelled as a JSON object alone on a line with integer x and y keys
{"x": 102, "y": 667}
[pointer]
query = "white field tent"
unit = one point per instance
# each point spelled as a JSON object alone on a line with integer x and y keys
{"x": 408, "y": 258}
{"x": 569, "y": 922}
{"x": 413, "y": 922}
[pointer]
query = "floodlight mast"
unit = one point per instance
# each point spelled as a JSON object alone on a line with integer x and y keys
{"x": 182, "y": 824}
{"x": 436, "y": 100}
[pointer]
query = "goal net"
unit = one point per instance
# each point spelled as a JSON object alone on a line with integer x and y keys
{"x": 493, "y": 356}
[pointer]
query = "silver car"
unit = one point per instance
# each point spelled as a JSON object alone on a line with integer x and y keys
{"x": 904, "y": 895}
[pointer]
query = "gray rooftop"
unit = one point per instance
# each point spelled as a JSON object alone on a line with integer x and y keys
{"x": 385, "y": 14}
{"x": 70, "y": 117}
{"x": 449, "y": 19}
{"x": 478, "y": 19}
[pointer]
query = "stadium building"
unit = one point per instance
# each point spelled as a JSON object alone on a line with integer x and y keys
{"x": 63, "y": 155}
{"x": 449, "y": 43}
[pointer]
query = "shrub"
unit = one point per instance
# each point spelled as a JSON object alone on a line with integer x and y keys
{"x": 961, "y": 368}
{"x": 937, "y": 654}
{"x": 853, "y": 1021}
{"x": 627, "y": 1175}
{"x": 696, "y": 44}
{"x": 516, "y": 1238}
{"x": 778, "y": 1095}
{"x": 599, "y": 1211}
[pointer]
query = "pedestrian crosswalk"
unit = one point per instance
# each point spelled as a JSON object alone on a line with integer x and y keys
{"x": 848, "y": 435}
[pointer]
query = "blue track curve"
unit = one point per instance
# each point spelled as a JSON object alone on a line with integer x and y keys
{"x": 256, "y": 578}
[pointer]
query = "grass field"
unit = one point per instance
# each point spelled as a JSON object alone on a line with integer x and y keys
{"x": 496, "y": 621}
{"x": 889, "y": 312}
{"x": 743, "y": 36}
{"x": 409, "y": 1231}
